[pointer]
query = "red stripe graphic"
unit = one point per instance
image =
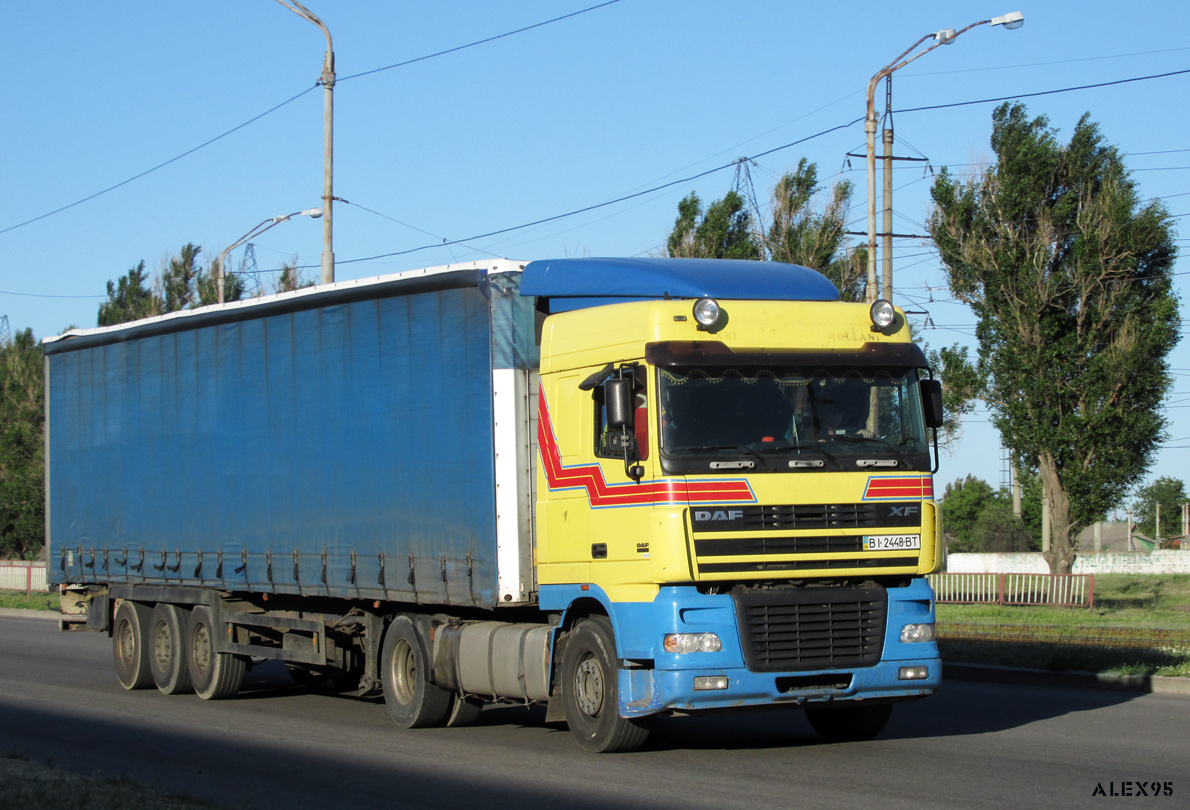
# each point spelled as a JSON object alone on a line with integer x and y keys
{"x": 899, "y": 486}
{"x": 602, "y": 494}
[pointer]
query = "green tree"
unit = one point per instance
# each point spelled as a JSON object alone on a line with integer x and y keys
{"x": 997, "y": 529}
{"x": 1069, "y": 279}
{"x": 1169, "y": 494}
{"x": 183, "y": 283}
{"x": 292, "y": 278}
{"x": 22, "y": 417}
{"x": 723, "y": 231}
{"x": 206, "y": 286}
{"x": 129, "y": 299}
{"x": 962, "y": 503}
{"x": 798, "y": 234}
{"x": 179, "y": 278}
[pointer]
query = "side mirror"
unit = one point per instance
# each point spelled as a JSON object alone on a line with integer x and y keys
{"x": 618, "y": 396}
{"x": 931, "y": 400}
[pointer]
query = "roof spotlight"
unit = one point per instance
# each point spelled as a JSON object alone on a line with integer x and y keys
{"x": 882, "y": 313}
{"x": 707, "y": 312}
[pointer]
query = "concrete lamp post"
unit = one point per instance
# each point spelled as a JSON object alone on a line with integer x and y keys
{"x": 327, "y": 80}
{"x": 314, "y": 213}
{"x": 943, "y": 37}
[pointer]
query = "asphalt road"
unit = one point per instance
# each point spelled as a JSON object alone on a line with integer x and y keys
{"x": 973, "y": 745}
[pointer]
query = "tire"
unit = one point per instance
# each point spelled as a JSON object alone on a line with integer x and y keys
{"x": 411, "y": 699}
{"x": 167, "y": 637}
{"x": 850, "y": 723}
{"x": 590, "y": 691}
{"x": 130, "y": 645}
{"x": 463, "y": 711}
{"x": 215, "y": 675}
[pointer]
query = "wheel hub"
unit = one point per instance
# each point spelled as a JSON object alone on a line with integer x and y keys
{"x": 588, "y": 682}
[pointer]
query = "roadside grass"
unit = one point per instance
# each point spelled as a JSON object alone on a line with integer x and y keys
{"x": 1140, "y": 602}
{"x": 29, "y": 785}
{"x": 38, "y": 600}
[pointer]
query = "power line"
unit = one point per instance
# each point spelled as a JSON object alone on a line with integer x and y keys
{"x": 159, "y": 165}
{"x": 256, "y": 118}
{"x": 1044, "y": 92}
{"x": 478, "y": 42}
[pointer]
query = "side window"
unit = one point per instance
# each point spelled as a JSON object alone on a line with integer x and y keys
{"x": 610, "y": 443}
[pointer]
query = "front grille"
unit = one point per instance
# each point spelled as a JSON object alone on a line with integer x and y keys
{"x": 804, "y": 565}
{"x": 740, "y": 546}
{"x": 806, "y": 517}
{"x": 798, "y": 629}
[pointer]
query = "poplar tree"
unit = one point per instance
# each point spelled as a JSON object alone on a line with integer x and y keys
{"x": 1068, "y": 275}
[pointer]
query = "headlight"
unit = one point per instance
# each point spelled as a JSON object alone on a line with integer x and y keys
{"x": 706, "y": 312}
{"x": 692, "y": 642}
{"x": 912, "y": 633}
{"x": 882, "y": 313}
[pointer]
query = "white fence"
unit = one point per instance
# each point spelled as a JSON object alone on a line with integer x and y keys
{"x": 20, "y": 575}
{"x": 1120, "y": 562}
{"x": 1077, "y": 590}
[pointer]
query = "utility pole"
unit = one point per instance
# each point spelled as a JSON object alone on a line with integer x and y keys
{"x": 1010, "y": 22}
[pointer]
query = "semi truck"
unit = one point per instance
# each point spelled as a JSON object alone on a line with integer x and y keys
{"x": 621, "y": 488}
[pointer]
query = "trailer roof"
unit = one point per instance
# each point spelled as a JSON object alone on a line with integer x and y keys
{"x": 580, "y": 283}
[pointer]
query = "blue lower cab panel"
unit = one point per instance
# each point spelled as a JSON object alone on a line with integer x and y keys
{"x": 776, "y": 654}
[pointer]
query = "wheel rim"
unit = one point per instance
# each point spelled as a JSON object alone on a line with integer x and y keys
{"x": 404, "y": 669}
{"x": 126, "y": 648}
{"x": 201, "y": 648}
{"x": 163, "y": 646}
{"x": 588, "y": 686}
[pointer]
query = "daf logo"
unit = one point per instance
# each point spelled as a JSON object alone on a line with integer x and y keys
{"x": 904, "y": 511}
{"x": 719, "y": 514}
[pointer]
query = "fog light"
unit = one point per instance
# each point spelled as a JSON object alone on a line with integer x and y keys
{"x": 913, "y": 673}
{"x": 912, "y": 633}
{"x": 692, "y": 642}
{"x": 707, "y": 312}
{"x": 882, "y": 313}
{"x": 704, "y": 683}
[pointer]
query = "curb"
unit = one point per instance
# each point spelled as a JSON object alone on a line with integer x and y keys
{"x": 1146, "y": 684}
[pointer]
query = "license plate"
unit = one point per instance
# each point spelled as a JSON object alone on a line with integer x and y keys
{"x": 892, "y": 542}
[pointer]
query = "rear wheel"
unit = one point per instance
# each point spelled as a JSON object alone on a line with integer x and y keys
{"x": 215, "y": 675}
{"x": 130, "y": 645}
{"x": 850, "y": 723}
{"x": 171, "y": 673}
{"x": 590, "y": 691}
{"x": 411, "y": 699}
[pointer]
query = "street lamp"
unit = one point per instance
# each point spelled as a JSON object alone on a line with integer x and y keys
{"x": 327, "y": 80}
{"x": 946, "y": 36}
{"x": 315, "y": 213}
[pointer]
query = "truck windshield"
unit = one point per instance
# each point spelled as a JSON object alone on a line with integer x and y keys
{"x": 791, "y": 419}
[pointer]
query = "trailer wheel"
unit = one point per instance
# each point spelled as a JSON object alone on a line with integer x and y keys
{"x": 168, "y": 660}
{"x": 215, "y": 675}
{"x": 411, "y": 699}
{"x": 849, "y": 723}
{"x": 130, "y": 645}
{"x": 590, "y": 691}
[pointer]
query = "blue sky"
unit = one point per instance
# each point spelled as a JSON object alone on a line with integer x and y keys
{"x": 607, "y": 103}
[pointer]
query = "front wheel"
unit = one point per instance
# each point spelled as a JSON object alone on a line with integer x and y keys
{"x": 850, "y": 723}
{"x": 590, "y": 691}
